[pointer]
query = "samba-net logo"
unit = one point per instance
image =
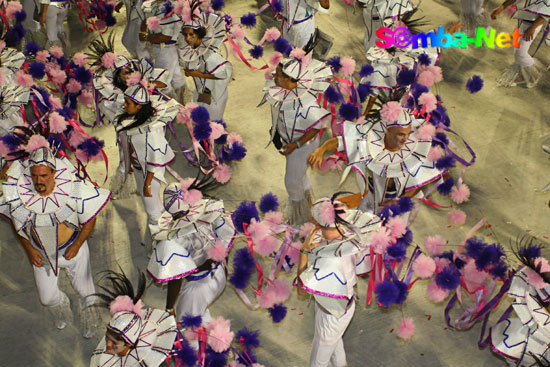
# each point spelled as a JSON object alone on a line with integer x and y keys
{"x": 402, "y": 38}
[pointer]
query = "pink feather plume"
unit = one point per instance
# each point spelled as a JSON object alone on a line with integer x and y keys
{"x": 58, "y": 76}
{"x": 35, "y": 142}
{"x": 121, "y": 303}
{"x": 437, "y": 73}
{"x": 234, "y": 138}
{"x": 42, "y": 56}
{"x": 80, "y": 58}
{"x": 108, "y": 60}
{"x": 397, "y": 226}
{"x": 380, "y": 240}
{"x": 435, "y": 293}
{"x": 275, "y": 58}
{"x": 134, "y": 78}
{"x": 406, "y": 329}
{"x": 222, "y": 173}
{"x": 218, "y": 252}
{"x": 426, "y": 78}
{"x": 23, "y": 79}
{"x": 428, "y": 100}
{"x": 219, "y": 334}
{"x": 391, "y": 111}
{"x": 271, "y": 34}
{"x": 460, "y": 193}
{"x": 237, "y": 32}
{"x": 153, "y": 23}
{"x": 58, "y": 124}
{"x": 426, "y": 132}
{"x": 424, "y": 266}
{"x": 73, "y": 86}
{"x": 217, "y": 130}
{"x": 457, "y": 217}
{"x": 348, "y": 66}
{"x": 274, "y": 218}
{"x": 266, "y": 245}
{"x": 435, "y": 153}
{"x": 435, "y": 245}
{"x": 86, "y": 97}
{"x": 258, "y": 230}
{"x": 297, "y": 53}
{"x": 191, "y": 197}
{"x": 56, "y": 51}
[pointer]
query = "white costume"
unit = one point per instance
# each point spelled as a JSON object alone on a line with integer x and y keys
{"x": 293, "y": 113}
{"x": 524, "y": 64}
{"x": 13, "y": 98}
{"x": 55, "y": 19}
{"x": 147, "y": 150}
{"x": 130, "y": 37}
{"x": 331, "y": 278}
{"x": 73, "y": 203}
{"x": 517, "y": 338}
{"x": 183, "y": 246}
{"x": 206, "y": 59}
{"x": 473, "y": 15}
{"x": 366, "y": 153}
{"x": 298, "y": 21}
{"x": 376, "y": 11}
{"x": 166, "y": 54}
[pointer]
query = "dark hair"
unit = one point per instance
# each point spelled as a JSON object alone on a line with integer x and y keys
{"x": 338, "y": 220}
{"x": 118, "y": 81}
{"x": 145, "y": 113}
{"x": 118, "y": 284}
{"x": 524, "y": 252}
{"x": 199, "y": 32}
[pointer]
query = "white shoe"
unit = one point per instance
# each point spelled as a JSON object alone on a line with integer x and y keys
{"x": 62, "y": 313}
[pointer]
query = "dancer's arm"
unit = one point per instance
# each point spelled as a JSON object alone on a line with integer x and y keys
{"x": 85, "y": 232}
{"x": 307, "y": 246}
{"x": 316, "y": 158}
{"x": 289, "y": 148}
{"x": 530, "y": 32}
{"x": 500, "y": 8}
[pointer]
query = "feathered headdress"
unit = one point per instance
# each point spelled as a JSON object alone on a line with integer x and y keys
{"x": 330, "y": 212}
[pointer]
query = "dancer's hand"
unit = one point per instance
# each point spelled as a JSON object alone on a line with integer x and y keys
{"x": 315, "y": 159}
{"x": 35, "y": 257}
{"x": 71, "y": 251}
{"x": 454, "y": 27}
{"x": 147, "y": 191}
{"x": 529, "y": 34}
{"x": 496, "y": 12}
{"x": 192, "y": 73}
{"x": 289, "y": 148}
{"x": 308, "y": 245}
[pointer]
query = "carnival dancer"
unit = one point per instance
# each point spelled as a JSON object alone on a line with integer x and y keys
{"x": 298, "y": 20}
{"x": 161, "y": 30}
{"x": 52, "y": 18}
{"x": 296, "y": 121}
{"x": 531, "y": 15}
{"x": 389, "y": 156}
{"x": 134, "y": 18}
{"x": 201, "y": 60}
{"x": 31, "y": 25}
{"x": 376, "y": 13}
{"x": 53, "y": 213}
{"x": 136, "y": 335}
{"x": 327, "y": 270}
{"x": 473, "y": 16}
{"x": 519, "y": 339}
{"x": 193, "y": 237}
{"x": 140, "y": 127}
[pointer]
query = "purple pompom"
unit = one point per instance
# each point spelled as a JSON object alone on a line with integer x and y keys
{"x": 92, "y": 146}
{"x": 202, "y": 131}
{"x": 11, "y": 141}
{"x": 243, "y": 264}
{"x": 448, "y": 278}
{"x": 474, "y": 84}
{"x": 277, "y": 6}
{"x": 364, "y": 91}
{"x": 269, "y": 202}
{"x": 256, "y": 51}
{"x": 110, "y": 21}
{"x": 387, "y": 293}
{"x": 348, "y": 111}
{"x": 83, "y": 75}
{"x": 20, "y": 16}
{"x": 31, "y": 48}
{"x": 446, "y": 186}
{"x": 244, "y": 214}
{"x": 406, "y": 77}
{"x": 407, "y": 238}
{"x": 332, "y": 95}
{"x": 282, "y": 45}
{"x": 191, "y": 321}
{"x": 200, "y": 115}
{"x": 236, "y": 152}
{"x": 37, "y": 70}
{"x": 335, "y": 63}
{"x": 217, "y": 5}
{"x": 397, "y": 251}
{"x": 249, "y": 20}
{"x": 424, "y": 59}
{"x": 405, "y": 204}
{"x": 530, "y": 252}
{"x": 249, "y": 338}
{"x": 418, "y": 89}
{"x": 214, "y": 359}
{"x": 185, "y": 354}
{"x": 403, "y": 292}
{"x": 366, "y": 70}
{"x": 499, "y": 270}
{"x": 445, "y": 163}
{"x": 491, "y": 255}
{"x": 277, "y": 312}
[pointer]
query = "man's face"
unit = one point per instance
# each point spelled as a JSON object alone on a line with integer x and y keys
{"x": 191, "y": 37}
{"x": 43, "y": 178}
{"x": 115, "y": 345}
{"x": 280, "y": 79}
{"x": 398, "y": 135}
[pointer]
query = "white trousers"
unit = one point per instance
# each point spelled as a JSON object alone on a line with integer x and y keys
{"x": 197, "y": 295}
{"x": 296, "y": 180}
{"x": 130, "y": 39}
{"x": 153, "y": 205}
{"x": 521, "y": 54}
{"x": 30, "y": 24}
{"x": 79, "y": 272}
{"x": 55, "y": 17}
{"x": 371, "y": 26}
{"x": 328, "y": 346}
{"x": 167, "y": 58}
{"x": 215, "y": 109}
{"x": 299, "y": 34}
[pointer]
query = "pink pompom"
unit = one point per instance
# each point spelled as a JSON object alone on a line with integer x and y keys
{"x": 435, "y": 293}
{"x": 435, "y": 245}
{"x": 472, "y": 277}
{"x": 275, "y": 58}
{"x": 424, "y": 266}
{"x": 266, "y": 246}
{"x": 331, "y": 163}
{"x": 73, "y": 86}
{"x": 217, "y": 130}
{"x": 426, "y": 79}
{"x": 4, "y": 150}
{"x": 348, "y": 66}
{"x": 441, "y": 262}
{"x": 121, "y": 303}
{"x": 273, "y": 218}
{"x": 76, "y": 138}
{"x": 406, "y": 329}
{"x": 237, "y": 32}
{"x": 267, "y": 299}
{"x": 281, "y": 289}
{"x": 294, "y": 252}
{"x": 258, "y": 230}
{"x": 182, "y": 9}
{"x": 218, "y": 252}
{"x": 391, "y": 111}
{"x": 12, "y": 8}
{"x": 134, "y": 78}
{"x": 100, "y": 24}
{"x": 42, "y": 56}
{"x": 56, "y": 51}
{"x": 55, "y": 102}
{"x": 234, "y": 138}
{"x": 428, "y": 100}
{"x": 437, "y": 73}
{"x": 380, "y": 240}
{"x": 58, "y": 76}
{"x": 191, "y": 197}
{"x": 190, "y": 334}
{"x": 510, "y": 10}
{"x": 325, "y": 213}
{"x": 397, "y": 226}
{"x": 108, "y": 60}
{"x": 435, "y": 153}
{"x": 297, "y": 53}
{"x": 58, "y": 124}
{"x": 85, "y": 97}
{"x": 35, "y": 142}
{"x": 544, "y": 266}
{"x": 426, "y": 132}
{"x": 219, "y": 334}
{"x": 24, "y": 80}
{"x": 460, "y": 193}
{"x": 257, "y": 365}
{"x": 535, "y": 279}
{"x": 153, "y": 23}
{"x": 222, "y": 173}
{"x": 80, "y": 58}
{"x": 457, "y": 217}
{"x": 138, "y": 308}
{"x": 271, "y": 34}
{"x": 305, "y": 229}
{"x": 398, "y": 24}
{"x": 186, "y": 183}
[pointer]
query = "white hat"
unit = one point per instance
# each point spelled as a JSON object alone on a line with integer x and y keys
{"x": 121, "y": 61}
{"x": 42, "y": 156}
{"x": 138, "y": 93}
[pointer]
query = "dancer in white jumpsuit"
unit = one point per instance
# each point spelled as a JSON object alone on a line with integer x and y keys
{"x": 298, "y": 20}
{"x": 52, "y": 16}
{"x": 130, "y": 37}
{"x": 186, "y": 233}
{"x": 296, "y": 121}
{"x": 331, "y": 278}
{"x": 38, "y": 190}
